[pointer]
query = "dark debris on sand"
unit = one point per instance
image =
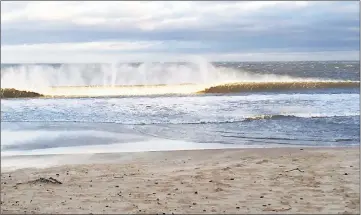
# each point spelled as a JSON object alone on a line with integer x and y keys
{"x": 51, "y": 180}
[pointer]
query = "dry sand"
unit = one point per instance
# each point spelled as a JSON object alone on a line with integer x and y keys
{"x": 200, "y": 181}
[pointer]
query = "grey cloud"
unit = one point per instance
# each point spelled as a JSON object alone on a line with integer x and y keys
{"x": 318, "y": 26}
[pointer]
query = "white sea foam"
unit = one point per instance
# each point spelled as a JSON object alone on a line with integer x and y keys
{"x": 40, "y": 77}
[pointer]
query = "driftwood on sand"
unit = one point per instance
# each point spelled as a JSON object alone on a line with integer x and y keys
{"x": 51, "y": 180}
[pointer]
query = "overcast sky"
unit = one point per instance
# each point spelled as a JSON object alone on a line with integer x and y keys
{"x": 43, "y": 32}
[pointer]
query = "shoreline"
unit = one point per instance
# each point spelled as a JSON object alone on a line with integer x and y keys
{"x": 108, "y": 157}
{"x": 247, "y": 180}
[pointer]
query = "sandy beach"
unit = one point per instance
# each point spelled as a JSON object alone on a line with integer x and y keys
{"x": 286, "y": 180}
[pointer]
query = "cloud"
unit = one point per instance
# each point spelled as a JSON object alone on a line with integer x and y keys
{"x": 17, "y": 54}
{"x": 191, "y": 28}
{"x": 140, "y": 15}
{"x": 85, "y": 46}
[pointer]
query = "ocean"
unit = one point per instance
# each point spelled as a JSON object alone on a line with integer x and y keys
{"x": 100, "y": 108}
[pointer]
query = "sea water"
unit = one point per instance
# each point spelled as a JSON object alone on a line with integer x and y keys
{"x": 124, "y": 122}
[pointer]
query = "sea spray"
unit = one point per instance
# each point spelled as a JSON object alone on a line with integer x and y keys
{"x": 35, "y": 76}
{"x": 143, "y": 79}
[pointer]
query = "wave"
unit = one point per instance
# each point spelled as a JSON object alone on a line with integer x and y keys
{"x": 36, "y": 77}
{"x": 245, "y": 119}
{"x": 276, "y": 116}
{"x": 162, "y": 89}
{"x": 14, "y": 93}
{"x": 89, "y": 80}
{"x": 285, "y": 116}
{"x": 278, "y": 86}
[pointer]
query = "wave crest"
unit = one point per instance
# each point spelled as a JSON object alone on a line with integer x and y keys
{"x": 177, "y": 89}
{"x": 205, "y": 122}
{"x": 278, "y": 86}
{"x": 14, "y": 93}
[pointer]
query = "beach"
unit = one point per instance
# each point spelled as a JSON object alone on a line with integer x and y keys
{"x": 180, "y": 108}
{"x": 226, "y": 181}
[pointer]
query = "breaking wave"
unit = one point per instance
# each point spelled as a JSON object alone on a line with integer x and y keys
{"x": 36, "y": 77}
{"x": 14, "y": 93}
{"x": 88, "y": 80}
{"x": 240, "y": 119}
{"x": 278, "y": 86}
{"x": 138, "y": 90}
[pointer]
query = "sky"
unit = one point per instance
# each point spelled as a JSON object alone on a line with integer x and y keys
{"x": 130, "y": 31}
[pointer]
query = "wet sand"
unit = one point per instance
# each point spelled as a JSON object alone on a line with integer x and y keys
{"x": 284, "y": 180}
